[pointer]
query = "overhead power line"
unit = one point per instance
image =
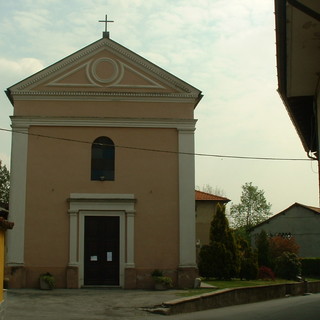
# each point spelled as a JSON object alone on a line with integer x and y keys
{"x": 163, "y": 151}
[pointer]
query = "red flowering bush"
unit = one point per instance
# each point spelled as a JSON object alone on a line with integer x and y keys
{"x": 265, "y": 273}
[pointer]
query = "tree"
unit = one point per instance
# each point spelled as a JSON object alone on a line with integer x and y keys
{"x": 4, "y": 186}
{"x": 219, "y": 259}
{"x": 216, "y": 191}
{"x": 248, "y": 260}
{"x": 252, "y": 209}
{"x": 263, "y": 248}
{"x": 279, "y": 245}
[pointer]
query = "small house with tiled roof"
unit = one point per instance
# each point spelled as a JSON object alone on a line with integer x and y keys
{"x": 299, "y": 221}
{"x": 206, "y": 207}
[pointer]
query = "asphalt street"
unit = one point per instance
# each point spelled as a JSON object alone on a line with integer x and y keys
{"x": 108, "y": 304}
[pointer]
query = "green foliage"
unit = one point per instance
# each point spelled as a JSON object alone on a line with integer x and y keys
{"x": 263, "y": 248}
{"x": 242, "y": 233}
{"x": 223, "y": 266}
{"x": 157, "y": 273}
{"x": 248, "y": 261}
{"x": 49, "y": 279}
{"x": 288, "y": 266}
{"x": 206, "y": 260}
{"x": 253, "y": 208}
{"x": 223, "y": 255}
{"x": 158, "y": 277}
{"x": 310, "y": 267}
{"x": 4, "y": 186}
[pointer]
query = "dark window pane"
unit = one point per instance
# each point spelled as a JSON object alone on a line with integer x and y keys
{"x": 102, "y": 159}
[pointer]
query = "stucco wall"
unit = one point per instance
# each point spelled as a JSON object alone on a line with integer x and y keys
{"x": 126, "y": 109}
{"x": 62, "y": 167}
{"x": 302, "y": 223}
{"x": 205, "y": 211}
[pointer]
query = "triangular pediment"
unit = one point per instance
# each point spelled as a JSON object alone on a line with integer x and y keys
{"x": 104, "y": 68}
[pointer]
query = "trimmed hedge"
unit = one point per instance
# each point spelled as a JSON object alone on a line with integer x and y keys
{"x": 310, "y": 267}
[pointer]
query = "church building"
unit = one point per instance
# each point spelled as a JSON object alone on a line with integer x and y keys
{"x": 102, "y": 172}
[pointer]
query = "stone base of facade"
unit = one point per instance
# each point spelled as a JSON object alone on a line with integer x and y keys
{"x": 27, "y": 277}
{"x": 130, "y": 278}
{"x": 186, "y": 277}
{"x": 23, "y": 277}
{"x": 72, "y": 277}
{"x": 16, "y": 276}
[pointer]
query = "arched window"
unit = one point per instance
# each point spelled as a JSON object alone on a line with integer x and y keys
{"x": 102, "y": 159}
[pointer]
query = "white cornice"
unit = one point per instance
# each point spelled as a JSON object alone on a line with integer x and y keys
{"x": 180, "y": 124}
{"x": 103, "y": 96}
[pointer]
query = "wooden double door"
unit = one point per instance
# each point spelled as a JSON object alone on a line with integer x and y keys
{"x": 101, "y": 250}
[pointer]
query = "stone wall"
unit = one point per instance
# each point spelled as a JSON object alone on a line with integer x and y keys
{"x": 237, "y": 296}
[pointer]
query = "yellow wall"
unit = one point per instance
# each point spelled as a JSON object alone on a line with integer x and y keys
{"x": 205, "y": 213}
{"x": 1, "y": 263}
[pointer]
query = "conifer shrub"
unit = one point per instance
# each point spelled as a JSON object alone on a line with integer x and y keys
{"x": 220, "y": 258}
{"x": 288, "y": 266}
{"x": 206, "y": 261}
{"x": 248, "y": 260}
{"x": 224, "y": 249}
{"x": 248, "y": 269}
{"x": 223, "y": 263}
{"x": 263, "y": 248}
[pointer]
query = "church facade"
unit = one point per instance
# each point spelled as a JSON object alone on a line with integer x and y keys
{"x": 102, "y": 172}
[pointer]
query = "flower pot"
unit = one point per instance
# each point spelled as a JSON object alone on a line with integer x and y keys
{"x": 44, "y": 285}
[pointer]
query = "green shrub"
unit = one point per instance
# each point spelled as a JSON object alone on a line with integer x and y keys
{"x": 263, "y": 247}
{"x": 206, "y": 262}
{"x": 248, "y": 260}
{"x": 288, "y": 266}
{"x": 223, "y": 265}
{"x": 248, "y": 268}
{"x": 310, "y": 267}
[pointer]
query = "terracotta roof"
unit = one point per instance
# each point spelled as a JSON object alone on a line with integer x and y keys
{"x": 208, "y": 196}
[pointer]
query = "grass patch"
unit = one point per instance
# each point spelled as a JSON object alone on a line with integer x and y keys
{"x": 237, "y": 283}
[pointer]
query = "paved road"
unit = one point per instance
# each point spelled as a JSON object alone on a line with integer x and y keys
{"x": 99, "y": 304}
{"x": 84, "y": 304}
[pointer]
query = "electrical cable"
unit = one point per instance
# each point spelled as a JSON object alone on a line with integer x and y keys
{"x": 164, "y": 151}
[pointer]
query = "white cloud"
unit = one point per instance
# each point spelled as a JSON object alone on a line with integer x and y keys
{"x": 224, "y": 48}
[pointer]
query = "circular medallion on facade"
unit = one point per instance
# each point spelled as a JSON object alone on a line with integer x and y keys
{"x": 105, "y": 70}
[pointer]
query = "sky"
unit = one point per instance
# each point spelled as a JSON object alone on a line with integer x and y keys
{"x": 226, "y": 49}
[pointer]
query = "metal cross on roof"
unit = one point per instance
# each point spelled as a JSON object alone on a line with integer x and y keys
{"x": 105, "y": 34}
